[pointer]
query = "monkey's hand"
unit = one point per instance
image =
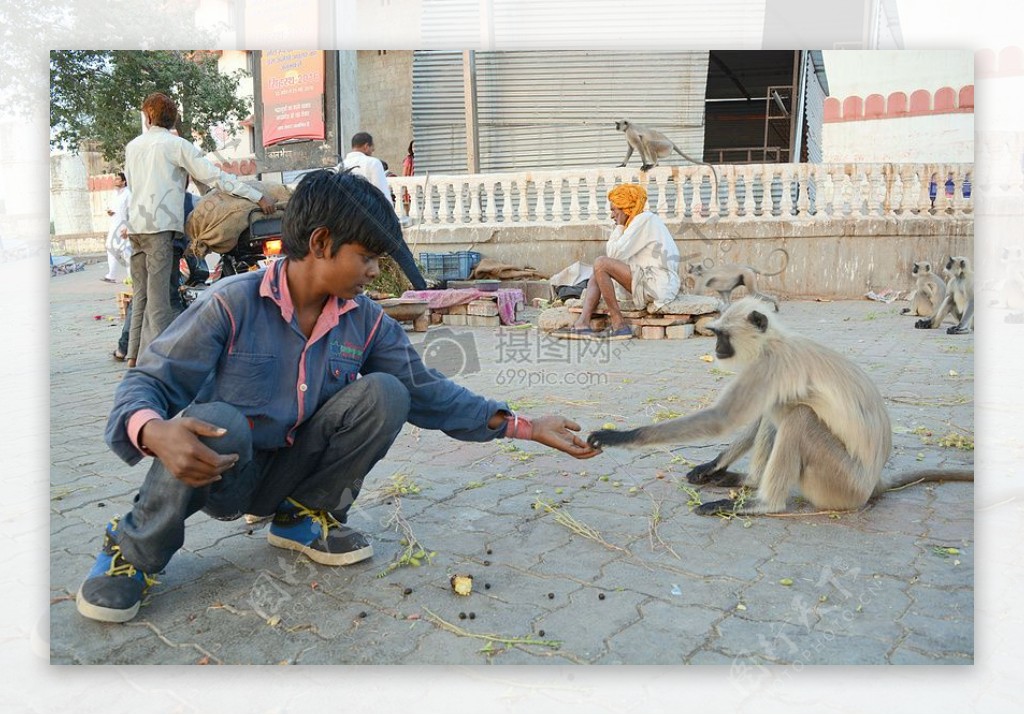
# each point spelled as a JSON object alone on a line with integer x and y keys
{"x": 925, "y": 324}
{"x": 646, "y": 167}
{"x": 722, "y": 506}
{"x": 610, "y": 438}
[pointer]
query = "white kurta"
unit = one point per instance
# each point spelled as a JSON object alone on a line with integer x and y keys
{"x": 118, "y": 247}
{"x": 649, "y": 249}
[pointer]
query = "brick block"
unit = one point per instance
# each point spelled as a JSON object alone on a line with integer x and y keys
{"x": 483, "y": 321}
{"x": 702, "y": 322}
{"x": 451, "y": 319}
{"x": 679, "y": 332}
{"x": 459, "y": 310}
{"x": 652, "y": 332}
{"x": 485, "y": 307}
{"x": 663, "y": 321}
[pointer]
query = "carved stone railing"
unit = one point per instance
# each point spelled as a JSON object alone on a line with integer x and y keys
{"x": 746, "y": 192}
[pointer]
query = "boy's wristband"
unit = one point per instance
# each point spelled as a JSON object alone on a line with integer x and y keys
{"x": 518, "y": 427}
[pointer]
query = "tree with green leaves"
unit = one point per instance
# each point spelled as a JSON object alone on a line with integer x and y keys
{"x": 96, "y": 96}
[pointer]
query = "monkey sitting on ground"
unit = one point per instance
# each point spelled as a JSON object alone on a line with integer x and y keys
{"x": 928, "y": 292}
{"x": 815, "y": 421}
{"x": 726, "y": 278}
{"x": 959, "y": 299}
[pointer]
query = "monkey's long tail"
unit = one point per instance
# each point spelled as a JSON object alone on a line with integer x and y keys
{"x": 702, "y": 163}
{"x": 906, "y": 479}
{"x": 785, "y": 262}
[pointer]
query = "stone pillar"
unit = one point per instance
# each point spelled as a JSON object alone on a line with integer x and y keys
{"x": 348, "y": 99}
{"x": 71, "y": 208}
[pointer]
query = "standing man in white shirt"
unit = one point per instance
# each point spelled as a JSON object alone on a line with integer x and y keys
{"x": 117, "y": 237}
{"x": 362, "y": 162}
{"x": 158, "y": 164}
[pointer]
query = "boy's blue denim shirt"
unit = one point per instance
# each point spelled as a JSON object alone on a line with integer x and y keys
{"x": 240, "y": 343}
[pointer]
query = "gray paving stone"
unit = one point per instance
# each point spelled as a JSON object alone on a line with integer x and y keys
{"x": 664, "y": 635}
{"x": 220, "y": 595}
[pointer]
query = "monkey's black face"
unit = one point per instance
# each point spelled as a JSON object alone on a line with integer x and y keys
{"x": 917, "y": 267}
{"x": 723, "y": 345}
{"x": 621, "y": 126}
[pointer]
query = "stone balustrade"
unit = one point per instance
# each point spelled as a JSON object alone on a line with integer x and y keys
{"x": 698, "y": 194}
{"x": 847, "y": 229}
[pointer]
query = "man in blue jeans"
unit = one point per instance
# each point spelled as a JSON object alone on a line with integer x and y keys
{"x": 249, "y": 402}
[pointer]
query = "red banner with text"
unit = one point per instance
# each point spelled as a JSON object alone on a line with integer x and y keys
{"x": 292, "y": 84}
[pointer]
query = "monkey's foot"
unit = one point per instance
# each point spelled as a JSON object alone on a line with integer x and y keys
{"x": 904, "y": 311}
{"x": 646, "y": 167}
{"x": 703, "y": 473}
{"x": 709, "y": 473}
{"x": 925, "y": 324}
{"x": 712, "y": 508}
{"x": 956, "y": 330}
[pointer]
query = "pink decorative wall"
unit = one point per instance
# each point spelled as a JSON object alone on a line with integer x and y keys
{"x": 945, "y": 100}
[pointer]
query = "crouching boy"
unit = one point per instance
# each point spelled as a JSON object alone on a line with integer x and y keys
{"x": 249, "y": 403}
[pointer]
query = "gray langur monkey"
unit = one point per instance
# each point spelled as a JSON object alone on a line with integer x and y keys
{"x": 652, "y": 146}
{"x": 928, "y": 292}
{"x": 959, "y": 299}
{"x": 724, "y": 279}
{"x": 815, "y": 421}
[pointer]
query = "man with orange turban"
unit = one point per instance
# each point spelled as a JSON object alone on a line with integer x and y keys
{"x": 641, "y": 263}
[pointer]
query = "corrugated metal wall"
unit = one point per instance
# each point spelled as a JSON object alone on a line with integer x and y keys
{"x": 553, "y": 109}
{"x": 814, "y": 114}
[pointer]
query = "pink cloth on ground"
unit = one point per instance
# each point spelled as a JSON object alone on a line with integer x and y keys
{"x": 508, "y": 299}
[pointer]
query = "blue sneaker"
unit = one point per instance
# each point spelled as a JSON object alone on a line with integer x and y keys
{"x": 318, "y": 535}
{"x": 623, "y": 333}
{"x": 113, "y": 590}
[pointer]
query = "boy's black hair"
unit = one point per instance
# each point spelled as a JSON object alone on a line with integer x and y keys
{"x": 349, "y": 206}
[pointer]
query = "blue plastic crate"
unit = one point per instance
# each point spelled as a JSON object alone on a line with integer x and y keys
{"x": 455, "y": 266}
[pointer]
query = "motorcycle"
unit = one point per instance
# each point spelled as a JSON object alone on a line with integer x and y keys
{"x": 258, "y": 246}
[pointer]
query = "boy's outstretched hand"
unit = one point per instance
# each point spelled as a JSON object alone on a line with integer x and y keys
{"x": 557, "y": 432}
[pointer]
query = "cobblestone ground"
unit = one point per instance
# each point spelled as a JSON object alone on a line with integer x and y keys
{"x": 596, "y": 561}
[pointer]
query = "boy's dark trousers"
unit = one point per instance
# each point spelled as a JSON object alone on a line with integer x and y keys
{"x": 323, "y": 469}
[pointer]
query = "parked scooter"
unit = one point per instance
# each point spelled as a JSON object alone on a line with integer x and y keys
{"x": 258, "y": 246}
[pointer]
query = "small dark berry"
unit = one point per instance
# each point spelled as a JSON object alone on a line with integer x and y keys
{"x": 487, "y": 563}
{"x": 472, "y": 615}
{"x": 541, "y": 632}
{"x": 487, "y": 585}
{"x": 551, "y": 595}
{"x": 102, "y": 504}
{"x": 462, "y": 615}
{"x": 408, "y": 590}
{"x": 488, "y": 552}
{"x": 600, "y": 596}
{"x": 362, "y": 614}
